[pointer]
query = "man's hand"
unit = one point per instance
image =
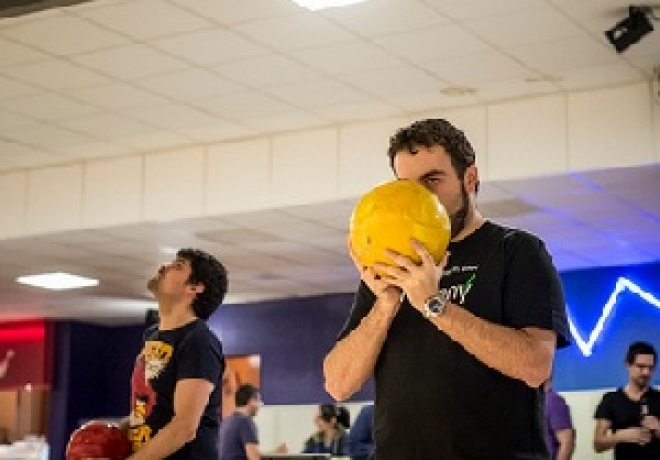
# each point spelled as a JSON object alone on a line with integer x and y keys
{"x": 635, "y": 435}
{"x": 388, "y": 295}
{"x": 419, "y": 282}
{"x": 651, "y": 423}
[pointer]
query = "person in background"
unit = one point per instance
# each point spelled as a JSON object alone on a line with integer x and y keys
{"x": 331, "y": 438}
{"x": 628, "y": 419}
{"x": 238, "y": 438}
{"x": 559, "y": 431}
{"x": 361, "y": 437}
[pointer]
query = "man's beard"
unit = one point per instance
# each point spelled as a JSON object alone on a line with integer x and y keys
{"x": 459, "y": 217}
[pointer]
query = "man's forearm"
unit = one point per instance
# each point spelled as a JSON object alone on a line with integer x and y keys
{"x": 352, "y": 360}
{"x": 511, "y": 351}
{"x": 605, "y": 442}
{"x": 168, "y": 440}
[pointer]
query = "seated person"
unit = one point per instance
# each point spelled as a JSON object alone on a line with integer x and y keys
{"x": 331, "y": 438}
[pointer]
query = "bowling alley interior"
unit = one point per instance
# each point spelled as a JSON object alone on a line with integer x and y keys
{"x": 129, "y": 130}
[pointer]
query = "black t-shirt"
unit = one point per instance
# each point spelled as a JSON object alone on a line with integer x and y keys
{"x": 188, "y": 352}
{"x": 622, "y": 412}
{"x": 434, "y": 400}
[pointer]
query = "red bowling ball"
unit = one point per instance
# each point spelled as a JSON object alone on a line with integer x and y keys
{"x": 98, "y": 439}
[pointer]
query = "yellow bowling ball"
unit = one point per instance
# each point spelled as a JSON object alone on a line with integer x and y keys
{"x": 390, "y": 215}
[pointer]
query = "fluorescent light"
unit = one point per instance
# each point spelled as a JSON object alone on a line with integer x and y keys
{"x": 316, "y": 5}
{"x": 57, "y": 281}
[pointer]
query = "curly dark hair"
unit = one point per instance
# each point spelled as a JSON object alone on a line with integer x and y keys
{"x": 207, "y": 270}
{"x": 430, "y": 132}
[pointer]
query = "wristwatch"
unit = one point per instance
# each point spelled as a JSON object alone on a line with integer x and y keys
{"x": 435, "y": 305}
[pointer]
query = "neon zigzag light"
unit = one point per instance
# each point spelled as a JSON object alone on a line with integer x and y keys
{"x": 586, "y": 347}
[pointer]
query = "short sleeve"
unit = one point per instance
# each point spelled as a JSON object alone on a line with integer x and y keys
{"x": 362, "y": 302}
{"x": 533, "y": 292}
{"x": 604, "y": 408}
{"x": 559, "y": 414}
{"x": 247, "y": 432}
{"x": 200, "y": 357}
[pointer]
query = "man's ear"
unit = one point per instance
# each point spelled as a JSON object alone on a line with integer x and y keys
{"x": 471, "y": 178}
{"x": 197, "y": 288}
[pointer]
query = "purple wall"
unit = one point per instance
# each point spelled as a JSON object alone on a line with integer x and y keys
{"x": 292, "y": 336}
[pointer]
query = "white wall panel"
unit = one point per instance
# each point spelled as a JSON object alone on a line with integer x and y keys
{"x": 610, "y": 128}
{"x": 13, "y": 200}
{"x": 174, "y": 184}
{"x": 527, "y": 138}
{"x": 363, "y": 161}
{"x": 54, "y": 199}
{"x": 305, "y": 167}
{"x": 238, "y": 177}
{"x": 113, "y": 191}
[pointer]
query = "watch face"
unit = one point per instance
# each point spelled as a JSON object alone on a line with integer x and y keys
{"x": 435, "y": 305}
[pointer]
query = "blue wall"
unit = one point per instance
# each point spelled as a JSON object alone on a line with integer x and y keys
{"x": 634, "y": 315}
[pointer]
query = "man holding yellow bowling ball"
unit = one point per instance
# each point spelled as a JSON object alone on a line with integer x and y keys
{"x": 458, "y": 351}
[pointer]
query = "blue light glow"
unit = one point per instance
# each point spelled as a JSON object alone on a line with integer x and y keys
{"x": 586, "y": 347}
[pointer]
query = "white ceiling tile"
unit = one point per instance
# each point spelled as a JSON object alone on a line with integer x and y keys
{"x": 477, "y": 68}
{"x": 62, "y": 75}
{"x": 15, "y": 53}
{"x": 535, "y": 25}
{"x": 563, "y": 54}
{"x": 9, "y": 120}
{"x": 460, "y": 9}
{"x": 48, "y": 106}
{"x": 209, "y": 47}
{"x": 10, "y": 89}
{"x": 393, "y": 16}
{"x": 591, "y": 77}
{"x": 267, "y": 71}
{"x": 431, "y": 99}
{"x": 130, "y": 18}
{"x": 393, "y": 81}
{"x": 188, "y": 84}
{"x": 49, "y": 138}
{"x": 94, "y": 149}
{"x": 245, "y": 104}
{"x": 347, "y": 58}
{"x": 189, "y": 122}
{"x": 31, "y": 158}
{"x": 116, "y": 96}
{"x": 106, "y": 126}
{"x": 61, "y": 34}
{"x": 427, "y": 45}
{"x": 508, "y": 89}
{"x": 130, "y": 62}
{"x": 227, "y": 12}
{"x": 295, "y": 32}
{"x": 291, "y": 120}
{"x": 367, "y": 109}
{"x": 316, "y": 93}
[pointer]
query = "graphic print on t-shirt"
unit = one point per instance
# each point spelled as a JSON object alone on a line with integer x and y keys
{"x": 149, "y": 364}
{"x": 457, "y": 292}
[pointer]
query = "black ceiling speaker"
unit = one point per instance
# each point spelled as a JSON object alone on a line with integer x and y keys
{"x": 12, "y": 8}
{"x": 631, "y": 29}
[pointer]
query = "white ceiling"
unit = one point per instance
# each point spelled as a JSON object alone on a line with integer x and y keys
{"x": 115, "y": 77}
